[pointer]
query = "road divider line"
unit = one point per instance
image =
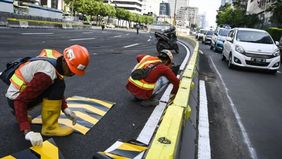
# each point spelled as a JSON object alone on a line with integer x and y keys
{"x": 204, "y": 148}
{"x": 37, "y": 33}
{"x": 148, "y": 130}
{"x": 201, "y": 52}
{"x": 117, "y": 36}
{"x": 278, "y": 72}
{"x": 89, "y": 32}
{"x": 246, "y": 138}
{"x": 82, "y": 39}
{"x": 131, "y": 45}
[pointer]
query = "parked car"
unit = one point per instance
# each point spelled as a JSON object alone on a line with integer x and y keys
{"x": 207, "y": 37}
{"x": 218, "y": 39}
{"x": 252, "y": 48}
{"x": 200, "y": 34}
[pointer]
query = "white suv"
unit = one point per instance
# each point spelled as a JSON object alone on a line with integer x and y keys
{"x": 251, "y": 48}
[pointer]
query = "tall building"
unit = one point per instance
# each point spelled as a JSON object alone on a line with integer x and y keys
{"x": 151, "y": 7}
{"x": 186, "y": 16}
{"x": 260, "y": 7}
{"x": 134, "y": 6}
{"x": 179, "y": 4}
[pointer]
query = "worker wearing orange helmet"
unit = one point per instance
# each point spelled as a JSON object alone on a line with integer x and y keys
{"x": 42, "y": 81}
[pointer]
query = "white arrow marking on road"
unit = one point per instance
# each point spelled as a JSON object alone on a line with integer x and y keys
{"x": 37, "y": 33}
{"x": 131, "y": 45}
{"x": 82, "y": 39}
{"x": 117, "y": 36}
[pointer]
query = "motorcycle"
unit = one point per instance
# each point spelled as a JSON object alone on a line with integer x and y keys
{"x": 167, "y": 40}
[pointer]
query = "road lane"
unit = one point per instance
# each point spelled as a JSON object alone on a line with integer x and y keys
{"x": 106, "y": 77}
{"x": 257, "y": 97}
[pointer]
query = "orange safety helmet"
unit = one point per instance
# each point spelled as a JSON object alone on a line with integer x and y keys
{"x": 77, "y": 58}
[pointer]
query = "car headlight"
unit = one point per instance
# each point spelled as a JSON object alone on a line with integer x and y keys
{"x": 239, "y": 49}
{"x": 276, "y": 53}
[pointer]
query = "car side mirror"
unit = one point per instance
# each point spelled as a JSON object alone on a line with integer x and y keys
{"x": 229, "y": 39}
{"x": 277, "y": 43}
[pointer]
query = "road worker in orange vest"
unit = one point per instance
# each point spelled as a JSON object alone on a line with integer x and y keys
{"x": 41, "y": 81}
{"x": 144, "y": 90}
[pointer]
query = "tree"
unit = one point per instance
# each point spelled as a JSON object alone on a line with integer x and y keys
{"x": 276, "y": 10}
{"x": 235, "y": 17}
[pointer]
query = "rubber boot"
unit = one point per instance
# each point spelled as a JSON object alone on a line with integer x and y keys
{"x": 50, "y": 114}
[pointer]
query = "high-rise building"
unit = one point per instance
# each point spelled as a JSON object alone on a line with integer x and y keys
{"x": 151, "y": 7}
{"x": 179, "y": 4}
{"x": 134, "y": 6}
{"x": 186, "y": 16}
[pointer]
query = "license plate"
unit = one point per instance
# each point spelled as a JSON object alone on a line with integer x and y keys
{"x": 259, "y": 60}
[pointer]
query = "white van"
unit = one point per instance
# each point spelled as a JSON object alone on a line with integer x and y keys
{"x": 252, "y": 48}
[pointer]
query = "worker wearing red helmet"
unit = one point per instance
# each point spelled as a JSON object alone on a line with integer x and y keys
{"x": 40, "y": 81}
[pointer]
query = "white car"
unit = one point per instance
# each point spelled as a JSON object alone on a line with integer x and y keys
{"x": 252, "y": 48}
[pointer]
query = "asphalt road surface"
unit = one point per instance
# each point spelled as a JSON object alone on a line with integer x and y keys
{"x": 112, "y": 58}
{"x": 255, "y": 97}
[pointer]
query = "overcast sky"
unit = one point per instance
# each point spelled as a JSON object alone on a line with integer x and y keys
{"x": 207, "y": 6}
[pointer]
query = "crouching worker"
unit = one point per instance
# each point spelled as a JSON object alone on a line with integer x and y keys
{"x": 41, "y": 81}
{"x": 155, "y": 81}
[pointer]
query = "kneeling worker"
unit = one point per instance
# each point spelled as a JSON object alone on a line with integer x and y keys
{"x": 41, "y": 81}
{"x": 157, "y": 79}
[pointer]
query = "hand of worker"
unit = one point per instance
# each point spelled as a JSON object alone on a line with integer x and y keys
{"x": 71, "y": 115}
{"x": 34, "y": 137}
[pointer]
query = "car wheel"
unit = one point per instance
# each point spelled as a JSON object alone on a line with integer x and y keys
{"x": 273, "y": 72}
{"x": 211, "y": 46}
{"x": 230, "y": 65}
{"x": 223, "y": 57}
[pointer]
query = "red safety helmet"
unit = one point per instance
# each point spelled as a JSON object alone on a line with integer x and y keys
{"x": 77, "y": 58}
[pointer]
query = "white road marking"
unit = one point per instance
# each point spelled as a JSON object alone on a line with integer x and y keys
{"x": 37, "y": 33}
{"x": 251, "y": 149}
{"x": 149, "y": 40}
{"x": 127, "y": 34}
{"x": 89, "y": 32}
{"x": 148, "y": 130}
{"x": 131, "y": 45}
{"x": 82, "y": 39}
{"x": 117, "y": 36}
{"x": 278, "y": 72}
{"x": 201, "y": 52}
{"x": 204, "y": 148}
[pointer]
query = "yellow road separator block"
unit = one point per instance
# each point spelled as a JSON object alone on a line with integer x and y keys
{"x": 88, "y": 110}
{"x": 49, "y": 150}
{"x": 124, "y": 150}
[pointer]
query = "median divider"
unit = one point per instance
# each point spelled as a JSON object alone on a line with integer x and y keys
{"x": 166, "y": 142}
{"x": 30, "y": 23}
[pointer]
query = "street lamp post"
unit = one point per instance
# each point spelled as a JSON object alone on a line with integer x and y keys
{"x": 174, "y": 16}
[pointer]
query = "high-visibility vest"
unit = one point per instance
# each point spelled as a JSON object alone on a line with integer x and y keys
{"x": 142, "y": 84}
{"x": 17, "y": 79}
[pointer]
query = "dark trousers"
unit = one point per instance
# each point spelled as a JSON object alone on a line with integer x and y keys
{"x": 54, "y": 92}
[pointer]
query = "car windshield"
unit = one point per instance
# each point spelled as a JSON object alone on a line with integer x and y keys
{"x": 254, "y": 37}
{"x": 209, "y": 32}
{"x": 223, "y": 32}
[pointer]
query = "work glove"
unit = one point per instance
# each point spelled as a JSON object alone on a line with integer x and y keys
{"x": 70, "y": 115}
{"x": 35, "y": 138}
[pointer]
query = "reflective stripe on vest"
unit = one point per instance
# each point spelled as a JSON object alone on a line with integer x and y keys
{"x": 146, "y": 60}
{"x": 17, "y": 79}
{"x": 143, "y": 85}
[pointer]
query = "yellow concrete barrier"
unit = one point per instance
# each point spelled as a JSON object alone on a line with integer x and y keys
{"x": 166, "y": 140}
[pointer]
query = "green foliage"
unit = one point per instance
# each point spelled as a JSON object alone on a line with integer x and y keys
{"x": 235, "y": 17}
{"x": 276, "y": 9}
{"x": 276, "y": 33}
